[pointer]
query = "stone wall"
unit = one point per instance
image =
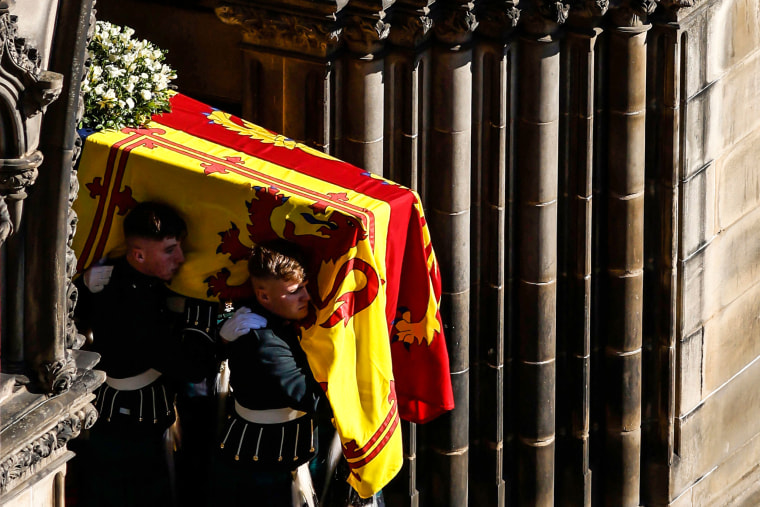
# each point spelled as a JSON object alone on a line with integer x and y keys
{"x": 717, "y": 428}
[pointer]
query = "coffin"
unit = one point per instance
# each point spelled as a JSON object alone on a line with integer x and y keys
{"x": 375, "y": 340}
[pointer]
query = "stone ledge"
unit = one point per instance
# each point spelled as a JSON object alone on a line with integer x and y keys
{"x": 35, "y": 428}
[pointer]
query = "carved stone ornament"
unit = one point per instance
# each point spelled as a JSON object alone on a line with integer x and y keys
{"x": 410, "y": 31}
{"x": 554, "y": 10}
{"x": 633, "y": 14}
{"x": 17, "y": 174}
{"x": 25, "y": 92}
{"x": 497, "y": 20}
{"x": 44, "y": 448}
{"x": 59, "y": 375}
{"x": 364, "y": 35}
{"x": 456, "y": 25}
{"x": 284, "y": 31}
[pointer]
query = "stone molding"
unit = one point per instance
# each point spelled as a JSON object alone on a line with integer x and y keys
{"x": 37, "y": 428}
{"x": 38, "y": 452}
{"x": 306, "y": 33}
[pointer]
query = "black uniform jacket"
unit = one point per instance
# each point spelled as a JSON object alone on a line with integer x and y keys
{"x": 268, "y": 368}
{"x": 133, "y": 329}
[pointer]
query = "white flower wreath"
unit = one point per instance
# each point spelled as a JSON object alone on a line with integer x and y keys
{"x": 126, "y": 81}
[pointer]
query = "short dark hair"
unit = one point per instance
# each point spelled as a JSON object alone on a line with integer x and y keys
{"x": 154, "y": 220}
{"x": 278, "y": 259}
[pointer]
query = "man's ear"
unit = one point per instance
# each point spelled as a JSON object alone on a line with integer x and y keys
{"x": 137, "y": 254}
{"x": 261, "y": 294}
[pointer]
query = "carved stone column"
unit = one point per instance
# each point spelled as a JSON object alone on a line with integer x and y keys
{"x": 492, "y": 255}
{"x": 290, "y": 65}
{"x": 49, "y": 261}
{"x": 578, "y": 127}
{"x": 407, "y": 127}
{"x": 448, "y": 200}
{"x": 664, "y": 77}
{"x": 537, "y": 194}
{"x": 625, "y": 233}
{"x": 25, "y": 92}
{"x": 40, "y": 412}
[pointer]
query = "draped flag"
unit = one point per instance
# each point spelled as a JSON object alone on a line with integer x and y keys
{"x": 374, "y": 338}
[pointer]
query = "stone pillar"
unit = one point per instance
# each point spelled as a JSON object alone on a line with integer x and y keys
{"x": 537, "y": 176}
{"x": 407, "y": 120}
{"x": 25, "y": 92}
{"x": 625, "y": 251}
{"x": 363, "y": 109}
{"x": 448, "y": 204}
{"x": 491, "y": 317}
{"x": 40, "y": 416}
{"x": 50, "y": 262}
{"x": 574, "y": 305}
{"x": 662, "y": 245}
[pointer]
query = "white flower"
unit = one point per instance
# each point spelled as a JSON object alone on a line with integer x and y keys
{"x": 127, "y": 81}
{"x": 114, "y": 72}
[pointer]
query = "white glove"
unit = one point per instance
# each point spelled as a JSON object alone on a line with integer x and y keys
{"x": 96, "y": 277}
{"x": 241, "y": 322}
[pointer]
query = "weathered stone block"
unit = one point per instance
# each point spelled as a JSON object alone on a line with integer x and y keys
{"x": 731, "y": 480}
{"x": 737, "y": 92}
{"x": 698, "y": 198}
{"x": 695, "y": 77}
{"x": 733, "y": 33}
{"x": 738, "y": 181}
{"x": 685, "y": 500}
{"x": 689, "y": 373}
{"x": 719, "y": 273}
{"x": 711, "y": 126}
{"x": 692, "y": 300}
{"x": 697, "y": 132}
{"x": 724, "y": 422}
{"x": 730, "y": 339}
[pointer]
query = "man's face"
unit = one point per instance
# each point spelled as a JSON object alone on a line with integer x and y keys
{"x": 286, "y": 298}
{"x": 158, "y": 258}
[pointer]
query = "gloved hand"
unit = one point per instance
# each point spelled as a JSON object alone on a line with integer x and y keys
{"x": 241, "y": 322}
{"x": 96, "y": 277}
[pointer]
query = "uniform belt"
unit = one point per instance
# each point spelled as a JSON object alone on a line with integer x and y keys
{"x": 269, "y": 416}
{"x": 145, "y": 378}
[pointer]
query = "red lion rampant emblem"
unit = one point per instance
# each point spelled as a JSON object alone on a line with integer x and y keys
{"x": 338, "y": 233}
